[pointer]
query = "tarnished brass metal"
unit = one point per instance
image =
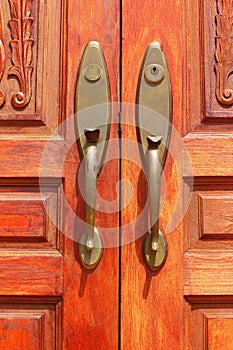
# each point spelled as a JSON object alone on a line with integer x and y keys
{"x": 92, "y": 100}
{"x": 92, "y": 124}
{"x": 90, "y": 247}
{"x": 92, "y": 72}
{"x": 155, "y": 244}
{"x": 91, "y": 165}
{"x": 155, "y": 259}
{"x": 154, "y": 100}
{"x": 154, "y": 113}
{"x": 90, "y": 258}
{"x": 154, "y": 174}
{"x": 154, "y": 73}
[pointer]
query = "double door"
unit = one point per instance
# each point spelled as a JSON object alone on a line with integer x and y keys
{"x": 48, "y": 298}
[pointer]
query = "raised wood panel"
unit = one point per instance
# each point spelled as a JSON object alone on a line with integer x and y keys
{"x": 216, "y": 215}
{"x": 208, "y": 259}
{"x": 31, "y": 42}
{"x": 219, "y": 331}
{"x": 34, "y": 256}
{"x": 208, "y": 272}
{"x": 23, "y": 220}
{"x": 19, "y": 225}
{"x": 211, "y": 322}
{"x": 210, "y": 154}
{"x": 28, "y": 216}
{"x": 29, "y": 326}
{"x": 209, "y": 220}
{"x": 16, "y": 153}
{"x": 37, "y": 273}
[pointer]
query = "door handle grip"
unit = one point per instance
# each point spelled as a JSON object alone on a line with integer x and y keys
{"x": 154, "y": 173}
{"x": 91, "y": 169}
{"x": 90, "y": 246}
{"x": 155, "y": 246}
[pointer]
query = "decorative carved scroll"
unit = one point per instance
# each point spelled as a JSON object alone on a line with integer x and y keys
{"x": 2, "y": 61}
{"x": 21, "y": 50}
{"x": 224, "y": 51}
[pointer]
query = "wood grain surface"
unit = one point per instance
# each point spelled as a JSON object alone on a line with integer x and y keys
{"x": 37, "y": 259}
{"x": 151, "y": 305}
{"x": 91, "y": 299}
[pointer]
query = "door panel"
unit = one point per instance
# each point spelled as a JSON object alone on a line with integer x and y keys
{"x": 208, "y": 137}
{"x": 91, "y": 298}
{"x": 47, "y": 299}
{"x": 31, "y": 277}
{"x": 167, "y": 309}
{"x": 30, "y": 323}
{"x": 151, "y": 305}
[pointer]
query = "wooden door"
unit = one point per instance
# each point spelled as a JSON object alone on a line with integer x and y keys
{"x": 188, "y": 304}
{"x": 47, "y": 299}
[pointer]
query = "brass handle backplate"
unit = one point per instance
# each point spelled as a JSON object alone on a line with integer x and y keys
{"x": 92, "y": 124}
{"x": 154, "y": 113}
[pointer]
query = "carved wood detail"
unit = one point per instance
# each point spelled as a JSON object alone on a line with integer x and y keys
{"x": 2, "y": 61}
{"x": 224, "y": 51}
{"x": 21, "y": 45}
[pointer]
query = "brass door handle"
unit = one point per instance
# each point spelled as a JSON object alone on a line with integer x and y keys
{"x": 154, "y": 119}
{"x": 154, "y": 174}
{"x": 155, "y": 245}
{"x": 90, "y": 246}
{"x": 91, "y": 168}
{"x": 92, "y": 124}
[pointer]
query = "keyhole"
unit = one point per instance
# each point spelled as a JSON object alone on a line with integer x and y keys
{"x": 154, "y": 73}
{"x": 154, "y": 70}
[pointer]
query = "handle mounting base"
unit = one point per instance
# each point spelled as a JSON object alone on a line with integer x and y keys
{"x": 155, "y": 259}
{"x": 90, "y": 258}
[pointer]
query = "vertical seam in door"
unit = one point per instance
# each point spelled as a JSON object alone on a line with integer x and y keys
{"x": 120, "y": 168}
